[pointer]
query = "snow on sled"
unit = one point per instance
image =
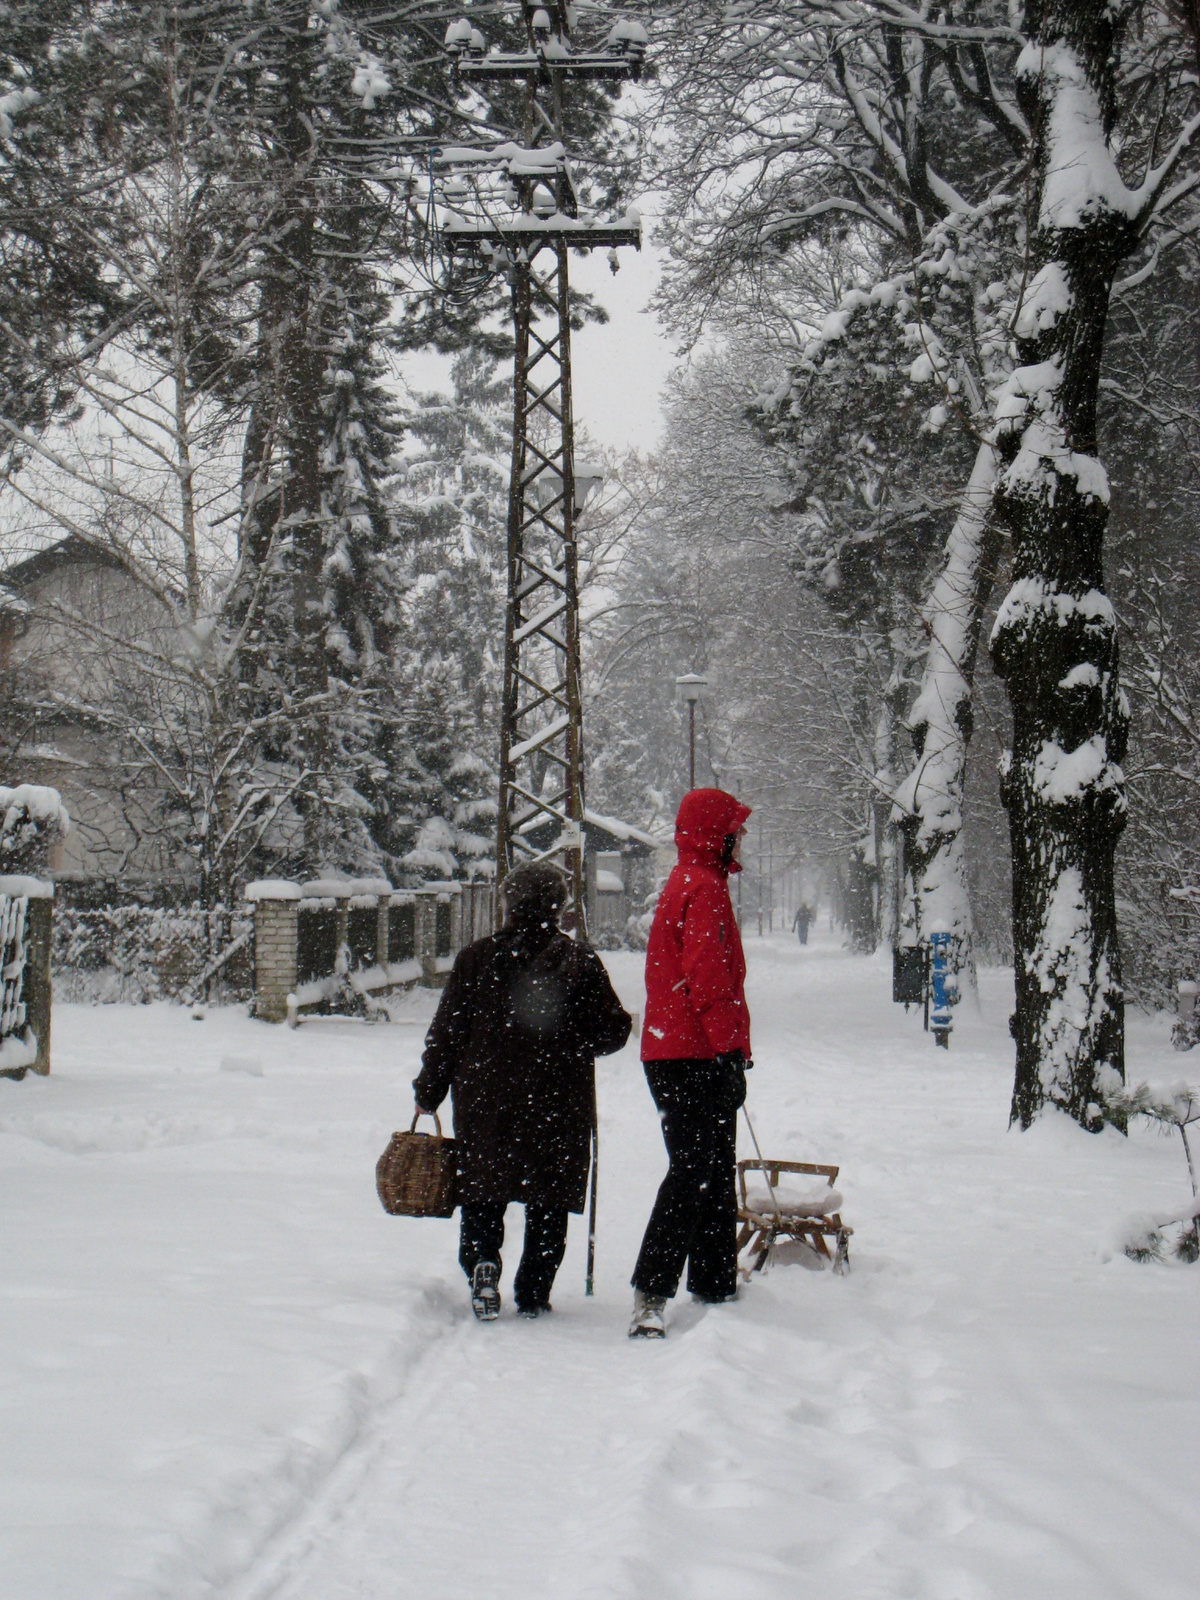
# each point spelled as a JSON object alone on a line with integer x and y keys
{"x": 771, "y": 1208}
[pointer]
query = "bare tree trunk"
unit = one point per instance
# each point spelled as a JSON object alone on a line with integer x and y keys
{"x": 887, "y": 853}
{"x": 858, "y": 901}
{"x": 1055, "y": 640}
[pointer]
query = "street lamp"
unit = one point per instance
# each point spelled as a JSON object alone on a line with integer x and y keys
{"x": 544, "y": 484}
{"x": 691, "y": 687}
{"x": 588, "y": 475}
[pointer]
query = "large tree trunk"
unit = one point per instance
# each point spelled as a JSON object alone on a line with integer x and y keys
{"x": 887, "y": 852}
{"x": 300, "y": 380}
{"x": 1055, "y": 639}
{"x": 930, "y": 801}
{"x": 890, "y": 739}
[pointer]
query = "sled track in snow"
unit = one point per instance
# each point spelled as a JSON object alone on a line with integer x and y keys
{"x": 322, "y": 1504}
{"x": 479, "y": 1458}
{"x": 560, "y": 1461}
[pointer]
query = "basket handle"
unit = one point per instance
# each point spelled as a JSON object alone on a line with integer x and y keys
{"x": 437, "y": 1121}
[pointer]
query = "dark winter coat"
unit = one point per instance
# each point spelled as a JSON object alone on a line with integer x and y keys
{"x": 514, "y": 1040}
{"x": 695, "y": 969}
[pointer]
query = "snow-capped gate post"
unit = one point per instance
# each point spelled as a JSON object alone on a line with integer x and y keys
{"x": 276, "y": 945}
{"x": 1055, "y": 639}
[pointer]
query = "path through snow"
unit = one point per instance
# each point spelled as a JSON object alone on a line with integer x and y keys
{"x": 229, "y": 1375}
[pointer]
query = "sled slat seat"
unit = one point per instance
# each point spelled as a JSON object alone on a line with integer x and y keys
{"x": 771, "y": 1208}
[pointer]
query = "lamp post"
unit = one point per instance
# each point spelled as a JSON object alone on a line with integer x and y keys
{"x": 690, "y": 688}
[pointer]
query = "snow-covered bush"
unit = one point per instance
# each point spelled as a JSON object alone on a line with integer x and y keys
{"x": 1156, "y": 1236}
{"x": 1176, "y": 1105}
{"x": 32, "y": 818}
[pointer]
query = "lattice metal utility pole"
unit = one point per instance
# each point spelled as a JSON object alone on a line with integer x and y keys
{"x": 526, "y": 223}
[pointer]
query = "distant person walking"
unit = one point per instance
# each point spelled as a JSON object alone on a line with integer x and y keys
{"x": 802, "y": 920}
{"x": 695, "y": 1050}
{"x": 514, "y": 1041}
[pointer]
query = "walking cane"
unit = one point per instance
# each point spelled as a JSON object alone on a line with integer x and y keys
{"x": 591, "y": 1253}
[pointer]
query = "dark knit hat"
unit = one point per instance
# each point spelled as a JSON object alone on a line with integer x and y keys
{"x": 536, "y": 891}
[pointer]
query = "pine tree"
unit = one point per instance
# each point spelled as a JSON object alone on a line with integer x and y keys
{"x": 447, "y": 661}
{"x": 57, "y": 176}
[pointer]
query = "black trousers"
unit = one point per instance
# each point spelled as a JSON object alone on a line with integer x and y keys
{"x": 481, "y": 1234}
{"x": 695, "y": 1215}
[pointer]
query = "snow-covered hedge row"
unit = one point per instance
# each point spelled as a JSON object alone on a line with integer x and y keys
{"x": 137, "y": 953}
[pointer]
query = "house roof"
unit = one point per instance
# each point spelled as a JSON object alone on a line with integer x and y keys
{"x": 600, "y": 832}
{"x": 623, "y": 832}
{"x": 69, "y": 552}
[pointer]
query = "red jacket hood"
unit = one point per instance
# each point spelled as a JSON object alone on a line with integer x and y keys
{"x": 706, "y": 817}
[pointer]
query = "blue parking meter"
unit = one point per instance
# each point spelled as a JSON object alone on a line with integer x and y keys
{"x": 944, "y": 985}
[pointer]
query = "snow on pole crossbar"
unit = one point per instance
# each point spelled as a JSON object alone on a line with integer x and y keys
{"x": 519, "y": 208}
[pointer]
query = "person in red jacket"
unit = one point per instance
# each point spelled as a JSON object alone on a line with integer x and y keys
{"x": 695, "y": 1051}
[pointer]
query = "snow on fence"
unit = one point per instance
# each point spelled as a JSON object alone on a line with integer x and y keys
{"x": 337, "y": 944}
{"x": 32, "y": 818}
{"x": 26, "y": 914}
{"x": 130, "y": 953}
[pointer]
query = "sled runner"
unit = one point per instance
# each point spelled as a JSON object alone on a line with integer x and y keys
{"x": 770, "y": 1209}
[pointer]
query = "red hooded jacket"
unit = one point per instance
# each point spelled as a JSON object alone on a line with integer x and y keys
{"x": 695, "y": 969}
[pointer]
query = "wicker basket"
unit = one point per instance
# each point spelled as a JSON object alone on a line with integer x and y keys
{"x": 417, "y": 1175}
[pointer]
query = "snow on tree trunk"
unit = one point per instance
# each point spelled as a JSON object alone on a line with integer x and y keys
{"x": 888, "y": 762}
{"x": 1055, "y": 640}
{"x": 930, "y": 800}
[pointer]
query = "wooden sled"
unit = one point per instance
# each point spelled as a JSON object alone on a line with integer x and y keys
{"x": 772, "y": 1209}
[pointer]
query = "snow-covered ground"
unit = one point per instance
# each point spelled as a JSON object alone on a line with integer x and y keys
{"x": 227, "y": 1373}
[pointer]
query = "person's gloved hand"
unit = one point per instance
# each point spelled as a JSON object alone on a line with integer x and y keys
{"x": 421, "y": 1109}
{"x": 733, "y": 1064}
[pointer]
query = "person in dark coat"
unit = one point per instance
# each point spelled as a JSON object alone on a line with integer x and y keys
{"x": 514, "y": 1041}
{"x": 802, "y": 921}
{"x": 695, "y": 1051}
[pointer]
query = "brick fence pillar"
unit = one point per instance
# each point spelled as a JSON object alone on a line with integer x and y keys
{"x": 39, "y": 933}
{"x": 425, "y": 934}
{"x": 276, "y": 949}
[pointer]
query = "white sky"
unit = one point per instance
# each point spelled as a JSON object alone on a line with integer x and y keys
{"x": 619, "y": 369}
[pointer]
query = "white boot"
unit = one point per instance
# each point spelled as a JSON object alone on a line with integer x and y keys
{"x": 648, "y": 1321}
{"x": 485, "y": 1291}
